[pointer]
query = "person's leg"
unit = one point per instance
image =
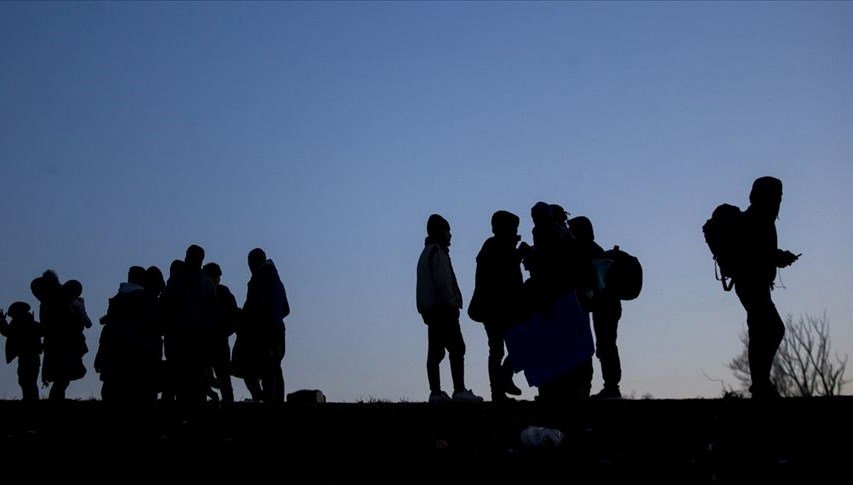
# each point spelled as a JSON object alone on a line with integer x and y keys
{"x": 435, "y": 354}
{"x": 277, "y": 384}
{"x": 766, "y": 331}
{"x": 272, "y": 384}
{"x": 497, "y": 377}
{"x": 605, "y": 324}
{"x": 456, "y": 351}
{"x": 506, "y": 376}
{"x": 222, "y": 371}
{"x": 253, "y": 384}
{"x": 57, "y": 390}
{"x": 583, "y": 379}
{"x": 28, "y": 373}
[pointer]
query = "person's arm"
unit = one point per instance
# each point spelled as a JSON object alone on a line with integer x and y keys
{"x": 4, "y": 326}
{"x": 442, "y": 279}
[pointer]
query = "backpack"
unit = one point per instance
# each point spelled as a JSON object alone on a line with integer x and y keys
{"x": 625, "y": 276}
{"x": 722, "y": 234}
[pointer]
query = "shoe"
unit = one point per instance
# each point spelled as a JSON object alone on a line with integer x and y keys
{"x": 765, "y": 393}
{"x": 466, "y": 396}
{"x": 501, "y": 398}
{"x": 511, "y": 389}
{"x": 608, "y": 393}
{"x": 438, "y": 396}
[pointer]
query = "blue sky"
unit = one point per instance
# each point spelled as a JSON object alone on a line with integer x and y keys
{"x": 327, "y": 133}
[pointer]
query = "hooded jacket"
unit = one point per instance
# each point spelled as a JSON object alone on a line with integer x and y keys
{"x": 436, "y": 286}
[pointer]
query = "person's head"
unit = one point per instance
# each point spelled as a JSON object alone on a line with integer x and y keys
{"x": 256, "y": 258}
{"x": 136, "y": 275}
{"x": 581, "y": 227}
{"x": 72, "y": 289}
{"x": 19, "y": 310}
{"x": 559, "y": 214}
{"x": 47, "y": 286}
{"x": 504, "y": 223}
{"x": 438, "y": 229}
{"x": 154, "y": 280}
{"x": 541, "y": 214}
{"x": 176, "y": 268}
{"x": 766, "y": 195}
{"x": 213, "y": 271}
{"x": 194, "y": 257}
{"x": 37, "y": 288}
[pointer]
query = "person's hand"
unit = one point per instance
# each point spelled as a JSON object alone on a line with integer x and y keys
{"x": 787, "y": 258}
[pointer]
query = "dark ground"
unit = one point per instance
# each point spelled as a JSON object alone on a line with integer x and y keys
{"x": 676, "y": 440}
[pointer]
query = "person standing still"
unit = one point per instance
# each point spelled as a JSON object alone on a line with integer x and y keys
{"x": 260, "y": 345}
{"x": 498, "y": 298}
{"x": 439, "y": 301}
{"x": 606, "y": 311}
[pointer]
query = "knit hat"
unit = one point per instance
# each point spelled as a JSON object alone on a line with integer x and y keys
{"x": 436, "y": 224}
{"x": 504, "y": 222}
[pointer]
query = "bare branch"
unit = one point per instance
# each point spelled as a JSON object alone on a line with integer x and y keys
{"x": 804, "y": 364}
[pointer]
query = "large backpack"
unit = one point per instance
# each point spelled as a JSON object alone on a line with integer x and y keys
{"x": 722, "y": 234}
{"x": 625, "y": 276}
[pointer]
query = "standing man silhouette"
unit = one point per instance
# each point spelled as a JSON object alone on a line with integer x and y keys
{"x": 225, "y": 324}
{"x": 760, "y": 256}
{"x": 260, "y": 346}
{"x": 606, "y": 311}
{"x": 439, "y": 301}
{"x": 23, "y": 341}
{"x": 498, "y": 298}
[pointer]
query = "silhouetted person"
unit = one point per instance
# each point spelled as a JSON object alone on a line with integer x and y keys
{"x": 498, "y": 298}
{"x": 188, "y": 302}
{"x": 546, "y": 236}
{"x": 561, "y": 219}
{"x": 64, "y": 342}
{"x": 606, "y": 309}
{"x": 225, "y": 324}
{"x": 167, "y": 314}
{"x": 760, "y": 256}
{"x": 439, "y": 301}
{"x": 546, "y": 259}
{"x": 260, "y": 344}
{"x": 73, "y": 291}
{"x": 558, "y": 265}
{"x": 154, "y": 286}
{"x": 23, "y": 341}
{"x": 127, "y": 342}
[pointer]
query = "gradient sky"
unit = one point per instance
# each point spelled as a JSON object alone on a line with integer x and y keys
{"x": 327, "y": 133}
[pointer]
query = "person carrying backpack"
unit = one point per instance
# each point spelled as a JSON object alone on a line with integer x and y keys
{"x": 758, "y": 258}
{"x": 23, "y": 341}
{"x": 606, "y": 310}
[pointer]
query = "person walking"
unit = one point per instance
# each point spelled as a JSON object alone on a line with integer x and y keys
{"x": 759, "y": 258}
